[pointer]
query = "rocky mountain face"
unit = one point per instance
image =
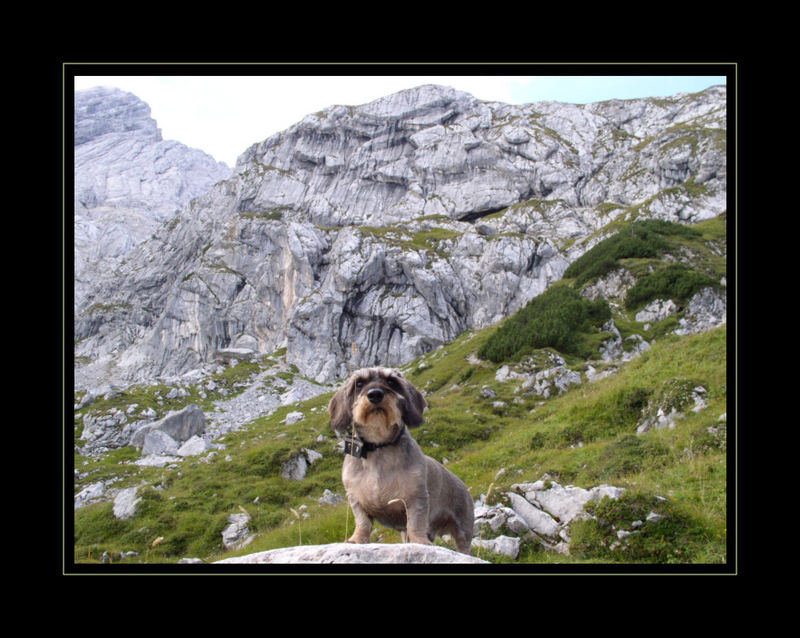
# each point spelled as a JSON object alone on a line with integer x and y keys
{"x": 128, "y": 180}
{"x": 372, "y": 234}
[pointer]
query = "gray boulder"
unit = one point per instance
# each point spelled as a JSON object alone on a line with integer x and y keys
{"x": 294, "y": 417}
{"x": 503, "y": 545}
{"x": 295, "y": 468}
{"x": 158, "y": 442}
{"x": 612, "y": 287}
{"x": 490, "y": 519}
{"x": 157, "y": 460}
{"x": 537, "y": 520}
{"x": 194, "y": 446}
{"x": 237, "y": 533}
{"x": 90, "y": 494}
{"x": 564, "y": 503}
{"x": 618, "y": 349}
{"x": 180, "y": 426}
{"x": 108, "y": 430}
{"x": 329, "y": 498}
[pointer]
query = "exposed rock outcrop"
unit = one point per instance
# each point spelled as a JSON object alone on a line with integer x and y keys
{"x": 670, "y": 403}
{"x": 541, "y": 512}
{"x": 707, "y": 309}
{"x": 544, "y": 375}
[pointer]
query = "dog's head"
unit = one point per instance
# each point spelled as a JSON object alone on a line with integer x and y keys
{"x": 377, "y": 401}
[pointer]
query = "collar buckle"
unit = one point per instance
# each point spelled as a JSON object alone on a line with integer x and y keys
{"x": 354, "y": 446}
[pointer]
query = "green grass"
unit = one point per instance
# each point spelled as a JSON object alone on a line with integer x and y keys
{"x": 424, "y": 240}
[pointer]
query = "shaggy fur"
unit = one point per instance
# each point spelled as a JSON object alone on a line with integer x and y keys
{"x": 396, "y": 484}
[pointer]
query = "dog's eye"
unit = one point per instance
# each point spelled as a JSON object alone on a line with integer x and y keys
{"x": 393, "y": 384}
{"x": 359, "y": 384}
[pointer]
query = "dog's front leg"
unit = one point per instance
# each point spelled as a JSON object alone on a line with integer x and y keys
{"x": 363, "y": 523}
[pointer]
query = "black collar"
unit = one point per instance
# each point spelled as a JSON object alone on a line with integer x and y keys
{"x": 358, "y": 448}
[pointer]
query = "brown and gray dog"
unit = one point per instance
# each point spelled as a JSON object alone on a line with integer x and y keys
{"x": 386, "y": 475}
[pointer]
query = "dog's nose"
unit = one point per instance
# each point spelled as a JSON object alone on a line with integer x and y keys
{"x": 375, "y": 395}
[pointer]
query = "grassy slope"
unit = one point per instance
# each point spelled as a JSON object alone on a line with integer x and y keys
{"x": 585, "y": 437}
{"x": 581, "y": 438}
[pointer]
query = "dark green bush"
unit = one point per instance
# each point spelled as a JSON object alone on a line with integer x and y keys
{"x": 559, "y": 318}
{"x": 677, "y": 282}
{"x": 641, "y": 239}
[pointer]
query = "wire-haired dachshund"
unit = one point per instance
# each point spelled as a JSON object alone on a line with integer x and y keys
{"x": 385, "y": 473}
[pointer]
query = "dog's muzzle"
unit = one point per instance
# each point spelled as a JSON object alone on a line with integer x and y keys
{"x": 375, "y": 396}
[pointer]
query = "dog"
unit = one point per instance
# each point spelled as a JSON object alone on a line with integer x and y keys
{"x": 385, "y": 474}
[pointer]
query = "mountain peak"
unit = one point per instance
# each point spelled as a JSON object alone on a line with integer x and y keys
{"x": 101, "y": 110}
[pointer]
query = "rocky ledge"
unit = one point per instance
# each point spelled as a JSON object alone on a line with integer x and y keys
{"x": 349, "y": 553}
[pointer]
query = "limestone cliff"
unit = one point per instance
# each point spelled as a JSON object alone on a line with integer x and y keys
{"x": 372, "y": 234}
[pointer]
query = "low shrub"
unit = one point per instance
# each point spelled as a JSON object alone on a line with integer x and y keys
{"x": 621, "y": 531}
{"x": 559, "y": 318}
{"x": 677, "y": 282}
{"x": 641, "y": 239}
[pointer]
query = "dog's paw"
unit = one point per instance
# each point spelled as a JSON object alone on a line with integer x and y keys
{"x": 422, "y": 540}
{"x": 358, "y": 539}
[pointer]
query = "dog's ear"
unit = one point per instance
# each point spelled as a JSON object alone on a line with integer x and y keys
{"x": 340, "y": 407}
{"x": 413, "y": 404}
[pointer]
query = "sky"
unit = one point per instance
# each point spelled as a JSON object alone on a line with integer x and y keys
{"x": 224, "y": 115}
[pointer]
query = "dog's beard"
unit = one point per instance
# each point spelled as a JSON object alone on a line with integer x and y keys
{"x": 376, "y": 423}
